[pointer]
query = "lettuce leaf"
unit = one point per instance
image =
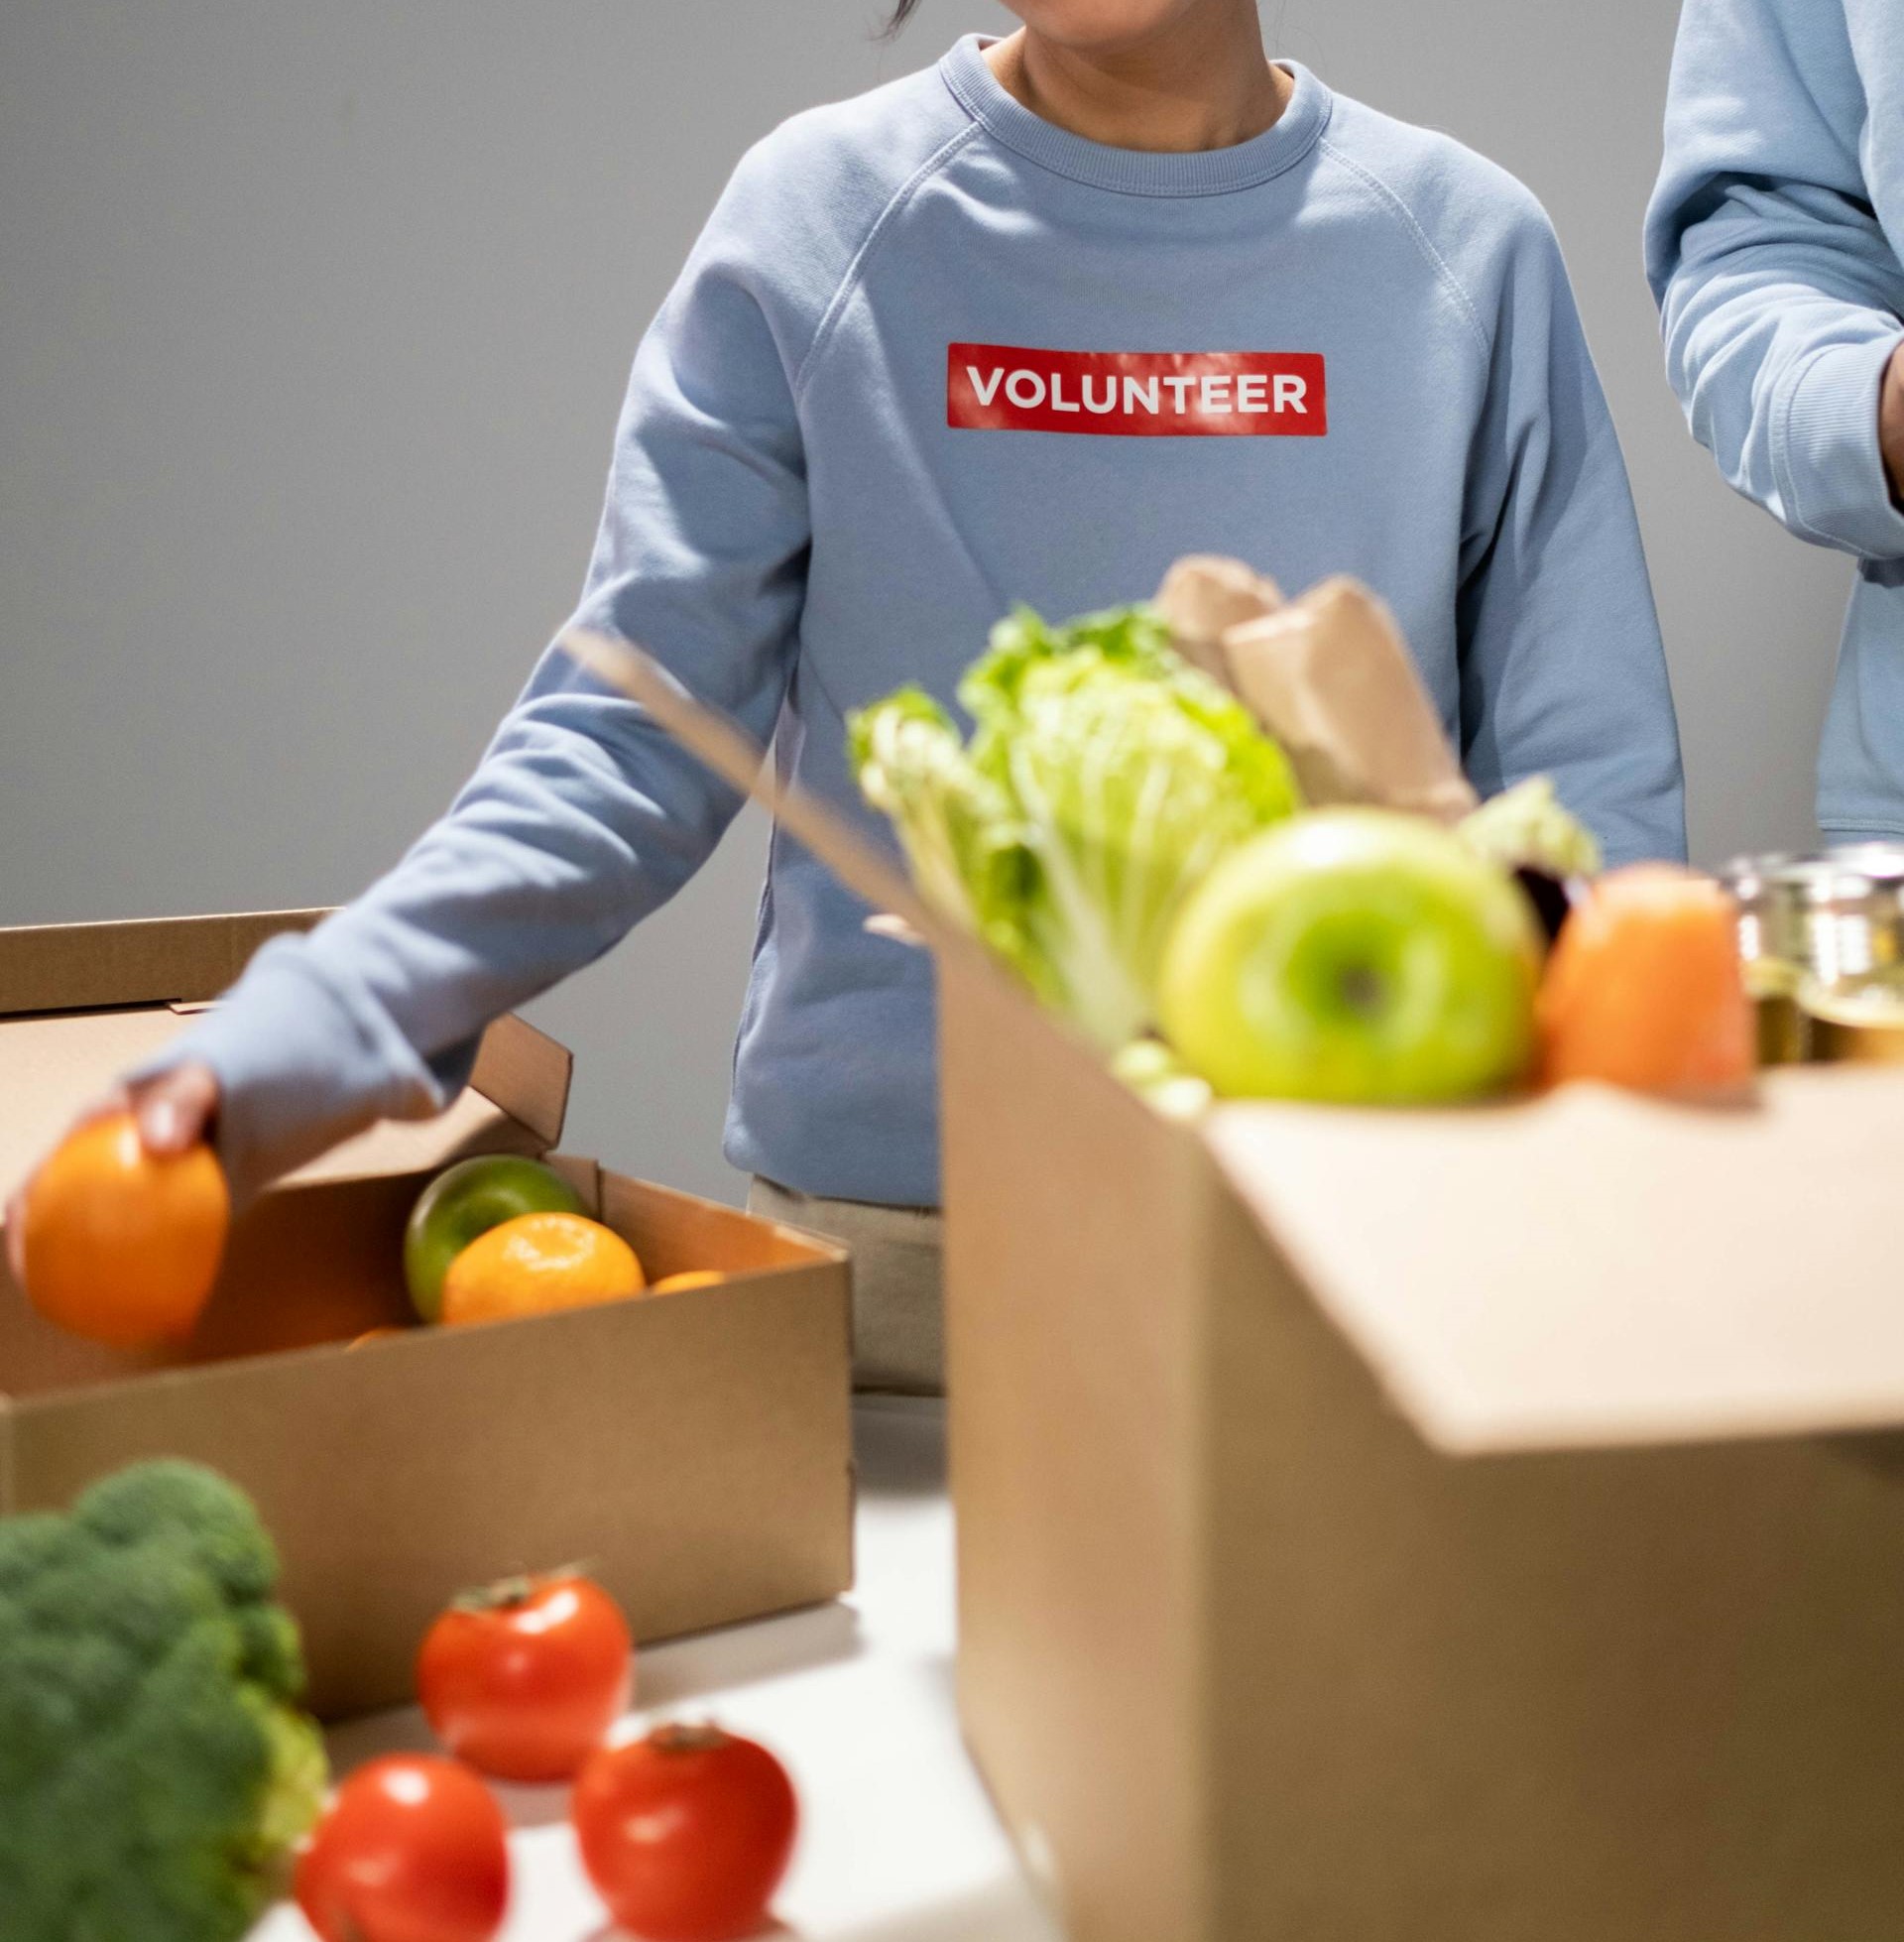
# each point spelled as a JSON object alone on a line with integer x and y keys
{"x": 957, "y": 828}
{"x": 1105, "y": 778}
{"x": 1527, "y": 827}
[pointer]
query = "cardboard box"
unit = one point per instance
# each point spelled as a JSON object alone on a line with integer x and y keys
{"x": 693, "y": 1448}
{"x": 1461, "y": 1526}
{"x": 1433, "y": 1526}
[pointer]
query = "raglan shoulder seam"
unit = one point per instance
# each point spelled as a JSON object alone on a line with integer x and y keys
{"x": 1387, "y": 198}
{"x": 855, "y": 273}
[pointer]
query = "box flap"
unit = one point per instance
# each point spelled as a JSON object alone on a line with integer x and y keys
{"x": 515, "y": 1103}
{"x": 60, "y": 1047}
{"x": 85, "y": 967}
{"x": 1594, "y": 1267}
{"x": 50, "y": 1067}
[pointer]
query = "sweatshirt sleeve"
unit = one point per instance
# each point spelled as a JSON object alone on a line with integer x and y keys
{"x": 583, "y": 815}
{"x": 1561, "y": 669}
{"x": 1779, "y": 295}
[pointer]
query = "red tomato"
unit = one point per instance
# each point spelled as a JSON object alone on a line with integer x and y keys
{"x": 685, "y": 1834}
{"x": 414, "y": 1849}
{"x": 525, "y": 1680}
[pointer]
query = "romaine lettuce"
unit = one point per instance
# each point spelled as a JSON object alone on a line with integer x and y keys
{"x": 1104, "y": 778}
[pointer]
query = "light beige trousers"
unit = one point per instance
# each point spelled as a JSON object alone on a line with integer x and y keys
{"x": 898, "y": 1328}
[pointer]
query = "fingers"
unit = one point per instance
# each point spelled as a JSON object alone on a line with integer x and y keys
{"x": 116, "y": 1101}
{"x": 175, "y": 1110}
{"x": 1891, "y": 422}
{"x": 15, "y": 1237}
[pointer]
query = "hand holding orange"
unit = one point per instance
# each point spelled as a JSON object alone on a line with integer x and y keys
{"x": 120, "y": 1244}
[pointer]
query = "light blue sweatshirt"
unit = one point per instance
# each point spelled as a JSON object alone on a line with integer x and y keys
{"x": 1352, "y": 348}
{"x": 1772, "y": 244}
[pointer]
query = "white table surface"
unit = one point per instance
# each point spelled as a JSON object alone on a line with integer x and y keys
{"x": 898, "y": 1840}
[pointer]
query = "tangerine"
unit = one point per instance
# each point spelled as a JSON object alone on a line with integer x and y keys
{"x": 1644, "y": 987}
{"x": 120, "y": 1245}
{"x": 536, "y": 1262}
{"x": 688, "y": 1278}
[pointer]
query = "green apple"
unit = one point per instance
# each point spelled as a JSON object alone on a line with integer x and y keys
{"x": 1359, "y": 957}
{"x": 466, "y": 1200}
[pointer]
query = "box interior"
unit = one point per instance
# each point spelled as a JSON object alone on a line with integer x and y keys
{"x": 318, "y": 1260}
{"x": 325, "y": 1266}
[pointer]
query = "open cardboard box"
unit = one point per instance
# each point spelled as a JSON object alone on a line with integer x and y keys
{"x": 1460, "y": 1526}
{"x": 693, "y": 1448}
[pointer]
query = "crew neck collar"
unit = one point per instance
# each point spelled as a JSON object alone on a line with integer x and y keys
{"x": 1135, "y": 171}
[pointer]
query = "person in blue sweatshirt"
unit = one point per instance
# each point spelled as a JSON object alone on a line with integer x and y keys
{"x": 1773, "y": 245}
{"x": 852, "y": 441}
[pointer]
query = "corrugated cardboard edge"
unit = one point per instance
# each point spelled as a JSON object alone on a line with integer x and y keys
{"x": 86, "y": 967}
{"x": 1069, "y": 1319}
{"x": 528, "y": 1074}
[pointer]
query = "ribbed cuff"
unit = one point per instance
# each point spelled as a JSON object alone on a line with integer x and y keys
{"x": 1835, "y": 479}
{"x": 296, "y": 1071}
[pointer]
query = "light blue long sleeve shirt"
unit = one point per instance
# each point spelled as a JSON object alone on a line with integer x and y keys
{"x": 1772, "y": 244}
{"x": 853, "y": 439}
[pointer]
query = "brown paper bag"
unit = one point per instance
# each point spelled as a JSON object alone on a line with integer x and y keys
{"x": 1203, "y": 596}
{"x": 1331, "y": 679}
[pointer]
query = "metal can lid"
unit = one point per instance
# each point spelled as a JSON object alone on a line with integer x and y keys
{"x": 1836, "y": 913}
{"x": 1844, "y": 875}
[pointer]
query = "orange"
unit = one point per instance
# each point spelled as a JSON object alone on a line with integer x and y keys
{"x": 692, "y": 1277}
{"x": 1644, "y": 989}
{"x": 123, "y": 1246}
{"x": 374, "y": 1335}
{"x": 538, "y": 1261}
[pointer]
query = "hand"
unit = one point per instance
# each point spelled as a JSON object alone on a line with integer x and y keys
{"x": 175, "y": 1110}
{"x": 1890, "y": 424}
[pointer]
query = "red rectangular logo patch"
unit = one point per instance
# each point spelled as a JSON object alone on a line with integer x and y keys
{"x": 1138, "y": 394}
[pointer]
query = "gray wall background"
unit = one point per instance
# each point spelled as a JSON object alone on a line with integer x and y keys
{"x": 314, "y": 323}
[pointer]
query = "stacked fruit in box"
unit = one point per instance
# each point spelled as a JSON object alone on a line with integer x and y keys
{"x": 497, "y": 1236}
{"x": 1228, "y": 838}
{"x": 123, "y": 1246}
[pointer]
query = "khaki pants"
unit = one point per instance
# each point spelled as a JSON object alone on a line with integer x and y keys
{"x": 898, "y": 1335}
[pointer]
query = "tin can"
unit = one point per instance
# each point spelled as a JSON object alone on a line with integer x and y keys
{"x": 1855, "y": 1024}
{"x": 1814, "y": 931}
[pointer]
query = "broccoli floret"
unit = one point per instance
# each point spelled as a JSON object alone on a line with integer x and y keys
{"x": 205, "y": 1518}
{"x": 155, "y": 1770}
